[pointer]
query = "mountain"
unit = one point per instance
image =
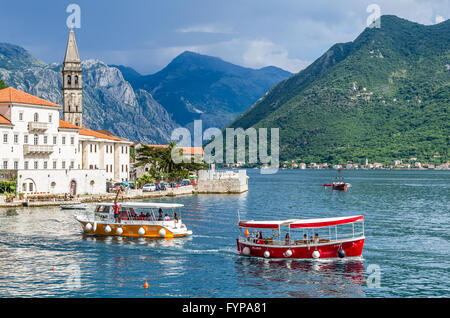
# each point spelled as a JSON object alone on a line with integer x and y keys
{"x": 109, "y": 101}
{"x": 194, "y": 86}
{"x": 384, "y": 96}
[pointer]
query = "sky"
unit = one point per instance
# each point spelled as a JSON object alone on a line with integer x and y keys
{"x": 147, "y": 34}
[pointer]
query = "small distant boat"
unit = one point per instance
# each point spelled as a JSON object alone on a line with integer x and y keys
{"x": 336, "y": 240}
{"x": 338, "y": 184}
{"x": 73, "y": 206}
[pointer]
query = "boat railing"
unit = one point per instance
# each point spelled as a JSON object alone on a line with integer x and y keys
{"x": 326, "y": 239}
{"x": 131, "y": 219}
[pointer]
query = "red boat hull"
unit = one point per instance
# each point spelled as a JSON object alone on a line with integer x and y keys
{"x": 352, "y": 248}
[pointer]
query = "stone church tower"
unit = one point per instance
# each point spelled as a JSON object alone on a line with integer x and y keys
{"x": 72, "y": 84}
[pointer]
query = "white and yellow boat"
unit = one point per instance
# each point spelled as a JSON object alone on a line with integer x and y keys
{"x": 136, "y": 219}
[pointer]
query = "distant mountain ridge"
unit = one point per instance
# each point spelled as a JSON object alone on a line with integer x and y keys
{"x": 119, "y": 99}
{"x": 109, "y": 102}
{"x": 195, "y": 86}
{"x": 384, "y": 96}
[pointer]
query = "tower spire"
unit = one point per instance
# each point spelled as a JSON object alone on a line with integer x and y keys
{"x": 72, "y": 84}
{"x": 72, "y": 49}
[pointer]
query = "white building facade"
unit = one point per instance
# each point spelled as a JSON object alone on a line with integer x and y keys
{"x": 49, "y": 155}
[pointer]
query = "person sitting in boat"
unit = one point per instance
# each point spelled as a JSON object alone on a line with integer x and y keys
{"x": 141, "y": 216}
{"x": 175, "y": 217}
{"x": 166, "y": 217}
{"x": 259, "y": 238}
{"x": 160, "y": 216}
{"x": 316, "y": 238}
{"x": 287, "y": 239}
{"x": 305, "y": 239}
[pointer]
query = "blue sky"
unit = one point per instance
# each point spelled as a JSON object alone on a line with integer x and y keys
{"x": 147, "y": 35}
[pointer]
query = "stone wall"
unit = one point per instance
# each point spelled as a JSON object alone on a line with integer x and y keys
{"x": 226, "y": 181}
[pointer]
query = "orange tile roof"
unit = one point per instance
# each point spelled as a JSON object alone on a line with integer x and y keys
{"x": 12, "y": 95}
{"x": 4, "y": 120}
{"x": 186, "y": 150}
{"x": 65, "y": 124}
{"x": 93, "y": 133}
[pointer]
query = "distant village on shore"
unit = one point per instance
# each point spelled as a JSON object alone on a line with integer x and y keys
{"x": 411, "y": 163}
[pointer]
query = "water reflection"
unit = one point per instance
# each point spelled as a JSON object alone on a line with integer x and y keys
{"x": 342, "y": 278}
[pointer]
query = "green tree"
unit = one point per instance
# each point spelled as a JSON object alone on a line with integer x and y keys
{"x": 2, "y": 85}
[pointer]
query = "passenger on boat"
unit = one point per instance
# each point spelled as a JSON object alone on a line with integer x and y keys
{"x": 141, "y": 216}
{"x": 116, "y": 213}
{"x": 160, "y": 216}
{"x": 166, "y": 217}
{"x": 305, "y": 239}
{"x": 287, "y": 239}
{"x": 316, "y": 238}
{"x": 175, "y": 217}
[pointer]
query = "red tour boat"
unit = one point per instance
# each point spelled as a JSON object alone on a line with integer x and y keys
{"x": 327, "y": 238}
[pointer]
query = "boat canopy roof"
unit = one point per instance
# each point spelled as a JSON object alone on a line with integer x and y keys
{"x": 152, "y": 205}
{"x": 297, "y": 223}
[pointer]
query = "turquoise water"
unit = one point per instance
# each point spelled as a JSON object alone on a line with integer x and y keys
{"x": 407, "y": 214}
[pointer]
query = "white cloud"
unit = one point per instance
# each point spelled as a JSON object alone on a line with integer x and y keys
{"x": 260, "y": 53}
{"x": 206, "y": 28}
{"x": 439, "y": 19}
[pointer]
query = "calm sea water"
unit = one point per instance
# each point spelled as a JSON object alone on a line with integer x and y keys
{"x": 43, "y": 252}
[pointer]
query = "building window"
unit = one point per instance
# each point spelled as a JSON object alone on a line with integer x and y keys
{"x": 76, "y": 79}
{"x": 95, "y": 148}
{"x": 45, "y": 164}
{"x": 54, "y": 164}
{"x": 91, "y": 167}
{"x": 54, "y": 140}
{"x": 16, "y": 165}
{"x": 90, "y": 147}
{"x": 63, "y": 140}
{"x": 30, "y": 187}
{"x": 69, "y": 80}
{"x": 25, "y": 139}
{"x": 35, "y": 164}
{"x": 5, "y": 138}
{"x": 36, "y": 117}
{"x": 5, "y": 164}
{"x": 64, "y": 164}
{"x": 36, "y": 139}
{"x": 50, "y": 118}
{"x": 45, "y": 140}
{"x": 16, "y": 138}
{"x": 72, "y": 164}
{"x": 72, "y": 140}
{"x": 25, "y": 165}
{"x": 20, "y": 116}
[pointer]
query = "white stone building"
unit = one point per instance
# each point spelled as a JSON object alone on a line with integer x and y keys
{"x": 49, "y": 155}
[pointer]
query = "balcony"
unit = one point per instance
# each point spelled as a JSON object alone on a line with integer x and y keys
{"x": 37, "y": 149}
{"x": 37, "y": 126}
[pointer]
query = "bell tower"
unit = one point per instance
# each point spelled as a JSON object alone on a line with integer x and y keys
{"x": 72, "y": 84}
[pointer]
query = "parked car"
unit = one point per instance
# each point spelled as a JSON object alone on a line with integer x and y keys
{"x": 185, "y": 182}
{"x": 175, "y": 185}
{"x": 149, "y": 187}
{"x": 164, "y": 185}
